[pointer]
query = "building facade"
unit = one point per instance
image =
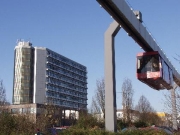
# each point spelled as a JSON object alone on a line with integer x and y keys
{"x": 45, "y": 77}
{"x": 23, "y": 73}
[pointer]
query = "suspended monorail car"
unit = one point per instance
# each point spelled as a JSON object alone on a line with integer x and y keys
{"x": 153, "y": 71}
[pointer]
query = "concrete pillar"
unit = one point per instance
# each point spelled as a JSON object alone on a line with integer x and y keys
{"x": 174, "y": 109}
{"x": 110, "y": 79}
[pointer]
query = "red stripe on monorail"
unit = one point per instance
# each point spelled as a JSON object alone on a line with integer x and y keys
{"x": 148, "y": 75}
{"x": 147, "y": 53}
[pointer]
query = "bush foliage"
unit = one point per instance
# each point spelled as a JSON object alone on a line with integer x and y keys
{"x": 21, "y": 124}
{"x": 73, "y": 131}
{"x": 16, "y": 124}
{"x": 86, "y": 125}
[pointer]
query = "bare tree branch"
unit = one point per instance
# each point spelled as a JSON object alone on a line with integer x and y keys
{"x": 146, "y": 112}
{"x": 127, "y": 99}
{"x": 98, "y": 101}
{"x": 177, "y": 59}
{"x": 94, "y": 107}
{"x": 144, "y": 105}
{"x": 168, "y": 101}
{"x": 2, "y": 93}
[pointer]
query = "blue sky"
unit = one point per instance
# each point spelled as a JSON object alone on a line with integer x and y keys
{"x": 76, "y": 29}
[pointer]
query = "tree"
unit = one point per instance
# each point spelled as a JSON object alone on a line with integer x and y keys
{"x": 168, "y": 100}
{"x": 144, "y": 108}
{"x": 98, "y": 100}
{"x": 144, "y": 105}
{"x": 177, "y": 58}
{"x": 169, "y": 104}
{"x": 146, "y": 113}
{"x": 127, "y": 99}
{"x": 168, "y": 96}
{"x": 2, "y": 94}
{"x": 94, "y": 106}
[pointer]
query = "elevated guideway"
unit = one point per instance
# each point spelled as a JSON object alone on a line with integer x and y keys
{"x": 126, "y": 17}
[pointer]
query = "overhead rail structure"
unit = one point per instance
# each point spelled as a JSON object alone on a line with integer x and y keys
{"x": 131, "y": 22}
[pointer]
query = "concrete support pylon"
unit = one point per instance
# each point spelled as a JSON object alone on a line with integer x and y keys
{"x": 110, "y": 79}
{"x": 174, "y": 109}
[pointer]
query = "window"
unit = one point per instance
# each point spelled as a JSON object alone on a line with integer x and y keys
{"x": 148, "y": 63}
{"x": 15, "y": 110}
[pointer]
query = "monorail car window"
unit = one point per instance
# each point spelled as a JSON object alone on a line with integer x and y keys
{"x": 155, "y": 63}
{"x": 147, "y": 63}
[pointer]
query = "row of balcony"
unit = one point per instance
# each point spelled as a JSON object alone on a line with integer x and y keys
{"x": 58, "y": 67}
{"x": 64, "y": 102}
{"x": 64, "y": 77}
{"x": 66, "y": 66}
{"x": 65, "y": 60}
{"x": 75, "y": 88}
{"x": 69, "y": 93}
{"x": 57, "y": 88}
{"x": 61, "y": 79}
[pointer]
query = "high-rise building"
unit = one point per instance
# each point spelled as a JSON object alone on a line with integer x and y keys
{"x": 23, "y": 73}
{"x": 45, "y": 77}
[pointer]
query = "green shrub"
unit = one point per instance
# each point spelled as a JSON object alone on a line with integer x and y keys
{"x": 140, "y": 124}
{"x": 16, "y": 124}
{"x": 121, "y": 124}
{"x": 87, "y": 121}
{"x": 7, "y": 123}
{"x": 73, "y": 131}
{"x": 153, "y": 131}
